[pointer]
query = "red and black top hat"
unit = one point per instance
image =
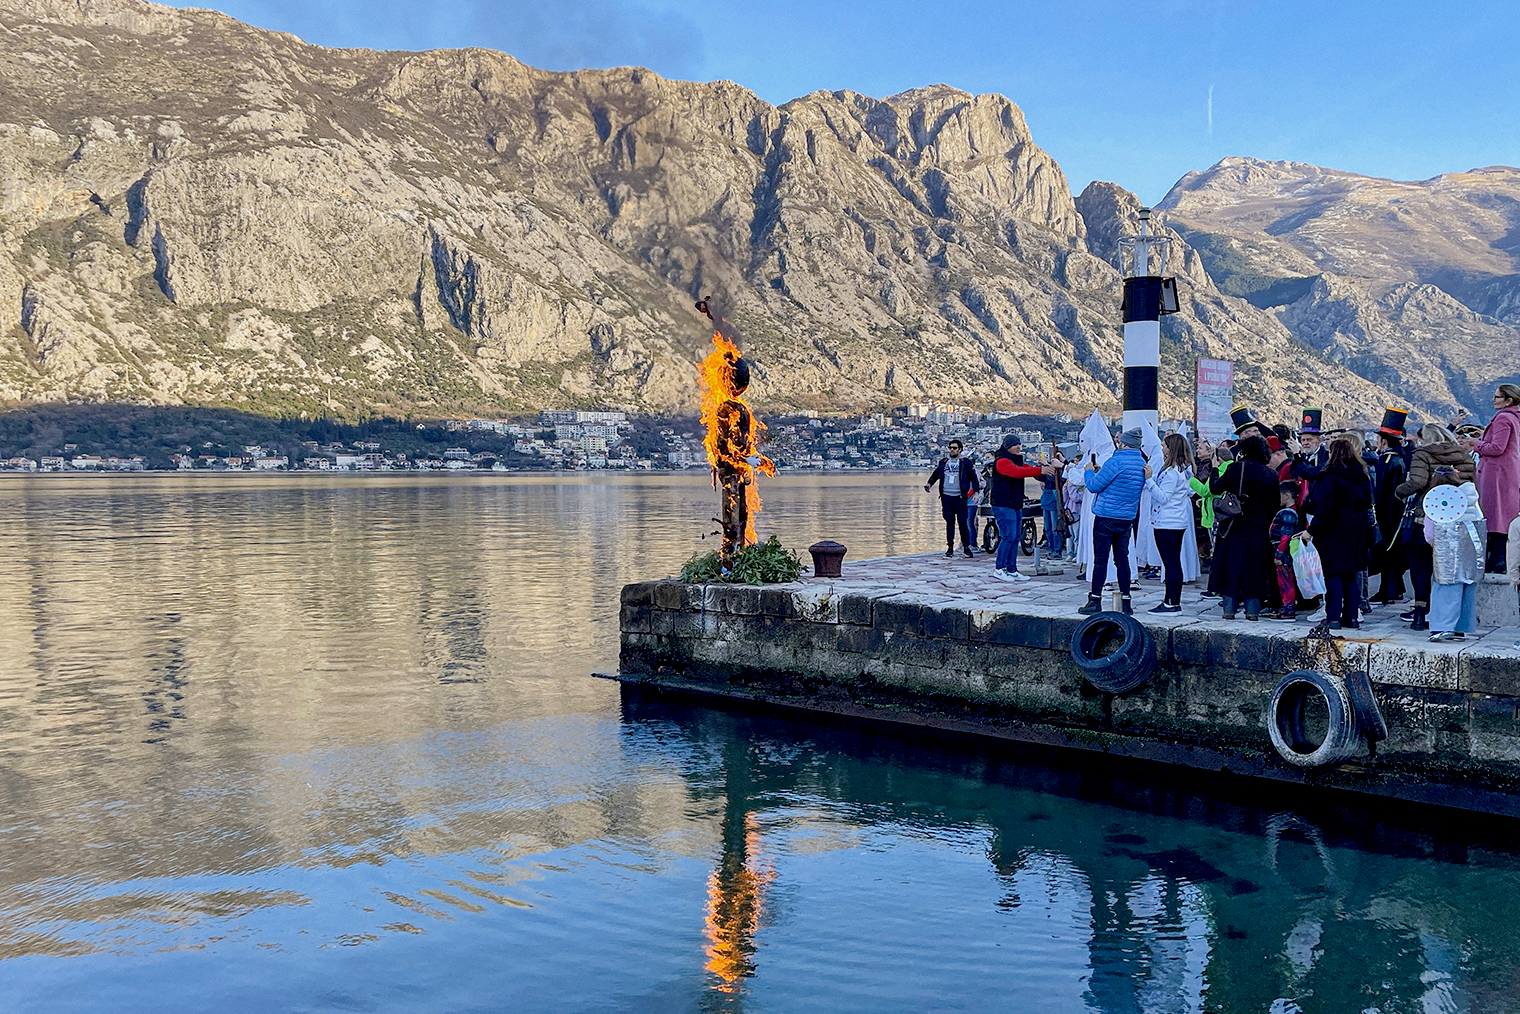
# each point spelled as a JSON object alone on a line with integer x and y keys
{"x": 1393, "y": 421}
{"x": 1313, "y": 420}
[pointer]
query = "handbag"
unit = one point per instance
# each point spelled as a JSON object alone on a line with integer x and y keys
{"x": 1410, "y": 519}
{"x": 1228, "y": 506}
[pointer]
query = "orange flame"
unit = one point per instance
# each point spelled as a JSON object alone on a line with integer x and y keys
{"x": 729, "y": 446}
{"x": 734, "y": 895}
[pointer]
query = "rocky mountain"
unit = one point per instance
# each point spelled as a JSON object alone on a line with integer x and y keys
{"x": 196, "y": 211}
{"x": 1415, "y": 286}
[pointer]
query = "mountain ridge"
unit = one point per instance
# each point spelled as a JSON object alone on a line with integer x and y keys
{"x": 201, "y": 212}
{"x": 1412, "y": 284}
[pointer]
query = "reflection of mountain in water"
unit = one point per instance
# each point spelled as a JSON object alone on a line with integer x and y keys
{"x": 356, "y": 712}
{"x": 234, "y": 673}
{"x": 1196, "y": 900}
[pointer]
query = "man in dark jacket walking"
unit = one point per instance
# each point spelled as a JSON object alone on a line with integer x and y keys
{"x": 957, "y": 479}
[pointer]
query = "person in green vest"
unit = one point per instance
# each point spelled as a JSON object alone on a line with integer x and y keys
{"x": 1208, "y": 463}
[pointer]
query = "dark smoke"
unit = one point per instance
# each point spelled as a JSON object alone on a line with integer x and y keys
{"x": 712, "y": 306}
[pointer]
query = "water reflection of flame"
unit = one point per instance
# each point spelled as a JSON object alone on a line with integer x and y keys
{"x": 734, "y": 895}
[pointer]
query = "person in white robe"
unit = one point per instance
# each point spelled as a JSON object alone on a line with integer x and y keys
{"x": 1097, "y": 446}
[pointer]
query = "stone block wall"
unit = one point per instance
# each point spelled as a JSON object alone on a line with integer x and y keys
{"x": 1453, "y": 710}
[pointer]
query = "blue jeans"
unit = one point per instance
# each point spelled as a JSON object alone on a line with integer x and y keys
{"x": 1008, "y": 521}
{"x": 971, "y": 509}
{"x": 1228, "y": 605}
{"x": 1454, "y": 607}
{"x": 1053, "y": 540}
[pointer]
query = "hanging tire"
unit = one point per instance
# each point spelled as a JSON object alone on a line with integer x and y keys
{"x": 1027, "y": 537}
{"x": 1115, "y": 653}
{"x": 1369, "y": 717}
{"x": 1286, "y": 725}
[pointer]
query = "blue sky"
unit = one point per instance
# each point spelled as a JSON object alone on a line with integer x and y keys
{"x": 1136, "y": 93}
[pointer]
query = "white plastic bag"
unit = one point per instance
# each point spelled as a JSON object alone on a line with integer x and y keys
{"x": 1308, "y": 572}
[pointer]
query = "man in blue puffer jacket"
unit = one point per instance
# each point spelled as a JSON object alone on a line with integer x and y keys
{"x": 1118, "y": 485}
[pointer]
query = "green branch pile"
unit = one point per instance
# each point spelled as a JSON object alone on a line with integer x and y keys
{"x": 762, "y": 563}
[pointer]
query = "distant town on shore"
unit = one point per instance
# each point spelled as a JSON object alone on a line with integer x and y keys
{"x": 99, "y": 440}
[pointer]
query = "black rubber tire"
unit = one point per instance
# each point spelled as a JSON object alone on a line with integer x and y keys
{"x": 1285, "y": 720}
{"x": 1369, "y": 717}
{"x": 991, "y": 537}
{"x": 1127, "y": 666}
{"x": 1027, "y": 537}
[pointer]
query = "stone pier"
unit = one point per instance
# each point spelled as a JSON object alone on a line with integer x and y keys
{"x": 939, "y": 642}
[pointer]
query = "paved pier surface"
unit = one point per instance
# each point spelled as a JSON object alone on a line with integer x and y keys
{"x": 939, "y": 641}
{"x": 1393, "y": 653}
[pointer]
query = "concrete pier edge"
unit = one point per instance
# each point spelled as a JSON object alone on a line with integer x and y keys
{"x": 886, "y": 650}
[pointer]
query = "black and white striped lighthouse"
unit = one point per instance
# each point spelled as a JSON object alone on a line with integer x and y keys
{"x": 1147, "y": 296}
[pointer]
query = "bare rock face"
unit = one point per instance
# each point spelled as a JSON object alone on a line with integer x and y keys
{"x": 1415, "y": 286}
{"x": 1273, "y": 368}
{"x": 194, "y": 210}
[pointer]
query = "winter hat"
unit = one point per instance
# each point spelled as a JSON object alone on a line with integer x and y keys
{"x": 1131, "y": 438}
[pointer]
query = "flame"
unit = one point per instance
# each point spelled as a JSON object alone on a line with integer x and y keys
{"x": 726, "y": 448}
{"x": 733, "y": 912}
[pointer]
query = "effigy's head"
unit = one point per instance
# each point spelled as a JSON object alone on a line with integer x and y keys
{"x": 738, "y": 372}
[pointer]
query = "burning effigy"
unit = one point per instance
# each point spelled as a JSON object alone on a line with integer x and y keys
{"x": 732, "y": 436}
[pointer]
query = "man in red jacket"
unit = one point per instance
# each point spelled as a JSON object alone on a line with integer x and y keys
{"x": 1006, "y": 497}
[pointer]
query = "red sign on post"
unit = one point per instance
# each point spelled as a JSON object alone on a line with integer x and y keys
{"x": 1214, "y": 399}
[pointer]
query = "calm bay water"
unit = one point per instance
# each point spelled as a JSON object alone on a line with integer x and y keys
{"x": 307, "y": 743}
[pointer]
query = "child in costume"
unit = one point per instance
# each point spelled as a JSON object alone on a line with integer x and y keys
{"x": 1071, "y": 496}
{"x": 1458, "y": 544}
{"x": 1285, "y": 525}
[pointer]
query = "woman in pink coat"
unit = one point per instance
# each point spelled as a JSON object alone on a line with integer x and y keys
{"x": 1499, "y": 472}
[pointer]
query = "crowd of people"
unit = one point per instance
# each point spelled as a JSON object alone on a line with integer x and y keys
{"x": 1244, "y": 510}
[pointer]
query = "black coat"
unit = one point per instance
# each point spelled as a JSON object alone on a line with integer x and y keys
{"x": 1337, "y": 509}
{"x": 970, "y": 481}
{"x": 1243, "y": 564}
{"x": 1389, "y": 558}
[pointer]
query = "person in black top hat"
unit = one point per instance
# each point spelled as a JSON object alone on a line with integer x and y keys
{"x": 1390, "y": 558}
{"x": 1312, "y": 454}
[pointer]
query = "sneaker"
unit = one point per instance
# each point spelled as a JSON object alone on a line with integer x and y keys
{"x": 949, "y": 552}
{"x": 1406, "y": 617}
{"x": 1094, "y": 605}
{"x": 1335, "y": 624}
{"x": 1125, "y": 606}
{"x": 1288, "y": 615}
{"x": 968, "y": 551}
{"x": 1210, "y": 595}
{"x": 1016, "y": 576}
{"x": 1003, "y": 575}
{"x": 1166, "y": 607}
{"x": 1445, "y": 635}
{"x": 1226, "y": 616}
{"x": 1459, "y": 636}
